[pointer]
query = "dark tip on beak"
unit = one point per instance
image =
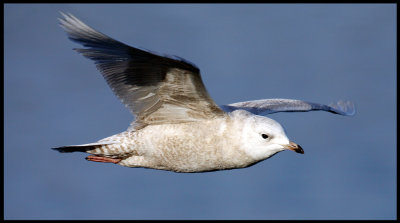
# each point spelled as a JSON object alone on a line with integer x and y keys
{"x": 299, "y": 149}
{"x": 294, "y": 147}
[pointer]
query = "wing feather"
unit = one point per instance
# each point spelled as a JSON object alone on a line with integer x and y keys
{"x": 269, "y": 106}
{"x": 156, "y": 89}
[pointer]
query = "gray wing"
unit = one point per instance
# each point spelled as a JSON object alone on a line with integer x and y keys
{"x": 156, "y": 89}
{"x": 269, "y": 106}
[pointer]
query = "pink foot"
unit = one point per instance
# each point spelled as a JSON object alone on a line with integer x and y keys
{"x": 102, "y": 159}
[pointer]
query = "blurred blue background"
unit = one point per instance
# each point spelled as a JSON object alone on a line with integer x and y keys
{"x": 321, "y": 53}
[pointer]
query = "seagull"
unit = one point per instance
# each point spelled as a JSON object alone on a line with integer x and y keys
{"x": 177, "y": 126}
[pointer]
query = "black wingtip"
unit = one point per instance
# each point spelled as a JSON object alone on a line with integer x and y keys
{"x": 346, "y": 108}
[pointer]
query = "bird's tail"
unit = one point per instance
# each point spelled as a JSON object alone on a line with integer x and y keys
{"x": 71, "y": 149}
{"x": 89, "y": 148}
{"x": 81, "y": 148}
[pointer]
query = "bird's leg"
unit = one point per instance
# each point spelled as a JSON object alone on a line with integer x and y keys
{"x": 102, "y": 159}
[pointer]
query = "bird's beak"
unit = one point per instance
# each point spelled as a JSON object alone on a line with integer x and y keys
{"x": 294, "y": 147}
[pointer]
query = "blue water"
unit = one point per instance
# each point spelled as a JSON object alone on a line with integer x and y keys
{"x": 319, "y": 53}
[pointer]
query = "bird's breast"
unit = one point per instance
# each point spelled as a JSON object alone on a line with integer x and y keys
{"x": 194, "y": 147}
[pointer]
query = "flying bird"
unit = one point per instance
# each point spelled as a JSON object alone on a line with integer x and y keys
{"x": 177, "y": 126}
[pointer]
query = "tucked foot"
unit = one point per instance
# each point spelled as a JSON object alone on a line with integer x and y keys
{"x": 102, "y": 159}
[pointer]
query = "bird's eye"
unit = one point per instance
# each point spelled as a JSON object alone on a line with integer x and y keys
{"x": 265, "y": 136}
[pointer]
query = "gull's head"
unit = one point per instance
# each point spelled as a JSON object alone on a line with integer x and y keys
{"x": 262, "y": 137}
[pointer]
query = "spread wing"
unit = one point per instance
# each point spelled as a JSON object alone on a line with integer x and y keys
{"x": 156, "y": 89}
{"x": 269, "y": 106}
